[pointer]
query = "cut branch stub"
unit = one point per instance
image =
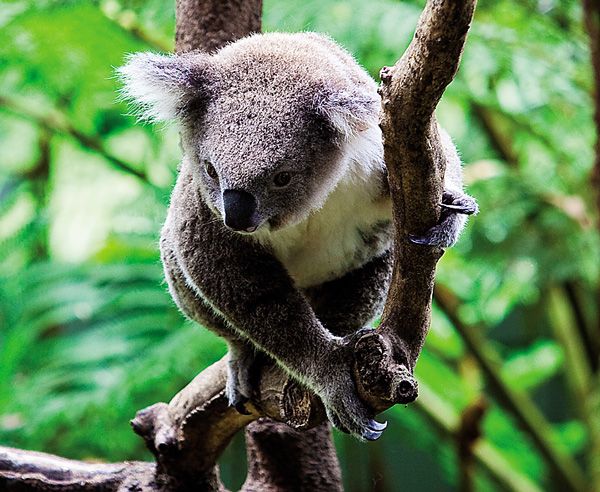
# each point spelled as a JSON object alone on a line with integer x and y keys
{"x": 155, "y": 426}
{"x": 381, "y": 380}
{"x": 285, "y": 400}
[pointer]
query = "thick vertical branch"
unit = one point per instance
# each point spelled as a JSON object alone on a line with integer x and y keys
{"x": 410, "y": 91}
{"x": 281, "y": 458}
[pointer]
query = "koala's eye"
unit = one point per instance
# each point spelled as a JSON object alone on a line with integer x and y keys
{"x": 282, "y": 179}
{"x": 210, "y": 170}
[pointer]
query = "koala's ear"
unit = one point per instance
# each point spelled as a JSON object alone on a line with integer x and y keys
{"x": 349, "y": 112}
{"x": 161, "y": 87}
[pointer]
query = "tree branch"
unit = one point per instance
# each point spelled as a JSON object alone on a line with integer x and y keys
{"x": 186, "y": 436}
{"x": 416, "y": 164}
{"x": 467, "y": 435}
{"x": 32, "y": 471}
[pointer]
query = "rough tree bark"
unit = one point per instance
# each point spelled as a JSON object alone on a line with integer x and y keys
{"x": 187, "y": 435}
{"x": 209, "y": 24}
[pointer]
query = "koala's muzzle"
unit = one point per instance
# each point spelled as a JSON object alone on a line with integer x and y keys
{"x": 240, "y": 208}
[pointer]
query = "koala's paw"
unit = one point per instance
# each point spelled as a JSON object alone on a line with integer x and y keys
{"x": 455, "y": 208}
{"x": 345, "y": 410}
{"x": 241, "y": 376}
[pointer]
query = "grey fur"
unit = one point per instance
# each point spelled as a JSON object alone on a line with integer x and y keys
{"x": 318, "y": 267}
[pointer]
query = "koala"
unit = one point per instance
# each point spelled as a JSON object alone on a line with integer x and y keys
{"x": 279, "y": 231}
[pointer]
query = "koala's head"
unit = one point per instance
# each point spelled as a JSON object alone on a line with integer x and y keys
{"x": 264, "y": 121}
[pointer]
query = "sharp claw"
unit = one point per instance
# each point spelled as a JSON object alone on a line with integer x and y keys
{"x": 452, "y": 207}
{"x": 468, "y": 209}
{"x": 240, "y": 406}
{"x": 418, "y": 240}
{"x": 376, "y": 426}
{"x": 371, "y": 435}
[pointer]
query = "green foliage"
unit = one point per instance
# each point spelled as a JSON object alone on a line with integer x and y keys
{"x": 89, "y": 335}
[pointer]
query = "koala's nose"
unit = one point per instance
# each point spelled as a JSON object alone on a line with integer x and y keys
{"x": 239, "y": 209}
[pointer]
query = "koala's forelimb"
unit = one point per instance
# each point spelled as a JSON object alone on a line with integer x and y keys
{"x": 265, "y": 308}
{"x": 242, "y": 355}
{"x": 349, "y": 303}
{"x": 453, "y": 216}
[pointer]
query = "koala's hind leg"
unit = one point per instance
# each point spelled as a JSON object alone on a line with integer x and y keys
{"x": 456, "y": 206}
{"x": 242, "y": 362}
{"x": 347, "y": 304}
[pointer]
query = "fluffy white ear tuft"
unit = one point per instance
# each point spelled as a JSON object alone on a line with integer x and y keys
{"x": 349, "y": 112}
{"x": 160, "y": 87}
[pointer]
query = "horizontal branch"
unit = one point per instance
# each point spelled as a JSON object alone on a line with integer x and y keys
{"x": 33, "y": 471}
{"x": 165, "y": 427}
{"x": 186, "y": 436}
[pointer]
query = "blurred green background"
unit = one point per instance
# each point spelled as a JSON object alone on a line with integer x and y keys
{"x": 89, "y": 335}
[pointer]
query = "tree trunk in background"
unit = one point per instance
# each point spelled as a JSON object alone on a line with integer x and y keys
{"x": 283, "y": 459}
{"x": 591, "y": 9}
{"x": 209, "y": 24}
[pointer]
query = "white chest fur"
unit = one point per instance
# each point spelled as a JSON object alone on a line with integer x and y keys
{"x": 336, "y": 238}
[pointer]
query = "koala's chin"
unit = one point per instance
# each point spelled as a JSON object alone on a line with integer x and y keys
{"x": 284, "y": 221}
{"x": 263, "y": 226}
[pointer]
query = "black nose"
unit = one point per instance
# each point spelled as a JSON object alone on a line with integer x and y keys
{"x": 239, "y": 209}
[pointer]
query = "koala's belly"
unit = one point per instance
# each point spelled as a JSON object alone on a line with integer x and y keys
{"x": 349, "y": 230}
